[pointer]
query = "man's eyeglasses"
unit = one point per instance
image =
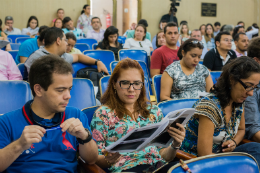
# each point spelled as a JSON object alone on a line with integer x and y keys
{"x": 124, "y": 84}
{"x": 247, "y": 88}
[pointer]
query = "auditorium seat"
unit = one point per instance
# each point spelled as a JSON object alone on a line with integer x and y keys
{"x": 82, "y": 46}
{"x": 13, "y": 53}
{"x": 90, "y": 112}
{"x": 82, "y": 94}
{"x": 133, "y": 54}
{"x": 77, "y": 66}
{"x": 215, "y": 75}
{"x": 13, "y": 37}
{"x": 14, "y": 94}
{"x": 224, "y": 163}
{"x": 201, "y": 62}
{"x": 122, "y": 38}
{"x": 106, "y": 56}
{"x": 89, "y": 41}
{"x": 21, "y": 39}
{"x": 173, "y": 105}
{"x": 94, "y": 46}
{"x": 157, "y": 87}
{"x": 22, "y": 69}
{"x": 15, "y": 46}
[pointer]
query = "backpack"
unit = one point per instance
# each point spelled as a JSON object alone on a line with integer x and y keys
{"x": 93, "y": 75}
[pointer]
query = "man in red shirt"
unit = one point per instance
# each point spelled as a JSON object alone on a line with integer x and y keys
{"x": 167, "y": 54}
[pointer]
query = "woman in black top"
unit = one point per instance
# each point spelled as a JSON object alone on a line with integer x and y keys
{"x": 110, "y": 41}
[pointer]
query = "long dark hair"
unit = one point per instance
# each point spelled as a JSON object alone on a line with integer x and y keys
{"x": 240, "y": 68}
{"x": 110, "y": 31}
{"x": 84, "y": 7}
{"x": 30, "y": 19}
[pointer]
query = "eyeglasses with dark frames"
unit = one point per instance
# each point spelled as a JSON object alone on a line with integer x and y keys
{"x": 248, "y": 88}
{"x": 124, "y": 84}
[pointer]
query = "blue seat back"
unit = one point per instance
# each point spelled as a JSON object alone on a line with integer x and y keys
{"x": 82, "y": 94}
{"x": 224, "y": 163}
{"x": 89, "y": 41}
{"x": 10, "y": 40}
{"x": 103, "y": 85}
{"x": 13, "y": 53}
{"x": 15, "y": 46}
{"x": 14, "y": 37}
{"x": 82, "y": 46}
{"x": 13, "y": 95}
{"x": 90, "y": 112}
{"x": 21, "y": 39}
{"x": 201, "y": 62}
{"x": 113, "y": 66}
{"x": 77, "y": 66}
{"x": 22, "y": 69}
{"x": 157, "y": 87}
{"x": 106, "y": 56}
{"x": 215, "y": 75}
{"x": 94, "y": 46}
{"x": 173, "y": 105}
{"x": 140, "y": 55}
{"x": 122, "y": 38}
{"x": 120, "y": 41}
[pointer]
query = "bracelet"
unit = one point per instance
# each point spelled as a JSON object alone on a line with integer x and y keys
{"x": 234, "y": 142}
{"x": 109, "y": 164}
{"x": 175, "y": 148}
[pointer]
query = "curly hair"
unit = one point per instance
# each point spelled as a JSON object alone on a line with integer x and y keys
{"x": 253, "y": 49}
{"x": 240, "y": 68}
{"x": 111, "y": 99}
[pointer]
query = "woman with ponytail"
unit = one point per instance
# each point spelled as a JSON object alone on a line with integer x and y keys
{"x": 84, "y": 20}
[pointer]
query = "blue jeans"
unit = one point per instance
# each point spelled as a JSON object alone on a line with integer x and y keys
{"x": 252, "y": 148}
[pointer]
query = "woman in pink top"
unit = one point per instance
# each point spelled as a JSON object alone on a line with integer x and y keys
{"x": 60, "y": 15}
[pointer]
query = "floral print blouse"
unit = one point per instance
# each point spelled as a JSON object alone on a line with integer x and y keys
{"x": 107, "y": 128}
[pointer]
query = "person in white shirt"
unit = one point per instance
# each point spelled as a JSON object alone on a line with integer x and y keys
{"x": 84, "y": 20}
{"x": 8, "y": 28}
{"x": 32, "y": 27}
{"x": 139, "y": 41}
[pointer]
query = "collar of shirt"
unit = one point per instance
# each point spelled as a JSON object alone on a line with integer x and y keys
{"x": 240, "y": 54}
{"x": 47, "y": 122}
{"x": 225, "y": 61}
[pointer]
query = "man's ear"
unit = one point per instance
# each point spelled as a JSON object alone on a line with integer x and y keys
{"x": 38, "y": 90}
{"x": 58, "y": 41}
{"x": 217, "y": 43}
{"x": 235, "y": 43}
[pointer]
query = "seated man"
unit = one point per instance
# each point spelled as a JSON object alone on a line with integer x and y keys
{"x": 241, "y": 42}
{"x": 252, "y": 103}
{"x": 8, "y": 68}
{"x": 196, "y": 33}
{"x": 97, "y": 33}
{"x": 71, "y": 39}
{"x": 68, "y": 27}
{"x": 44, "y": 135}
{"x": 165, "y": 55}
{"x": 29, "y": 46}
{"x": 217, "y": 57}
{"x": 131, "y": 33}
{"x": 8, "y": 28}
{"x": 55, "y": 43}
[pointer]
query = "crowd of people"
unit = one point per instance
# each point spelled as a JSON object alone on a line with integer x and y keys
{"x": 45, "y": 134}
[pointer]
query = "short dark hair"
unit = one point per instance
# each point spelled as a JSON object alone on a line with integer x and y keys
{"x": 163, "y": 21}
{"x": 236, "y": 29}
{"x": 240, "y": 22}
{"x": 143, "y": 22}
{"x": 42, "y": 32}
{"x": 51, "y": 35}
{"x": 253, "y": 49}
{"x": 219, "y": 35}
{"x": 32, "y": 18}
{"x": 236, "y": 38}
{"x": 170, "y": 24}
{"x": 66, "y": 20}
{"x": 95, "y": 18}
{"x": 183, "y": 22}
{"x": 70, "y": 35}
{"x": 217, "y": 24}
{"x": 43, "y": 68}
{"x": 144, "y": 30}
{"x": 188, "y": 45}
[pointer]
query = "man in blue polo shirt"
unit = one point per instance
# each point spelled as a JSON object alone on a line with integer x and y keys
{"x": 30, "y": 46}
{"x": 44, "y": 135}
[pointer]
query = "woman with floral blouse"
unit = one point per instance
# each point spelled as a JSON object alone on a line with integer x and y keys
{"x": 125, "y": 107}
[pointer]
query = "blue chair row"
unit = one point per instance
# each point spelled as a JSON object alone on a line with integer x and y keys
{"x": 13, "y": 53}
{"x": 121, "y": 39}
{"x": 14, "y": 94}
{"x": 88, "y": 41}
{"x": 82, "y": 46}
{"x": 12, "y": 38}
{"x": 103, "y": 84}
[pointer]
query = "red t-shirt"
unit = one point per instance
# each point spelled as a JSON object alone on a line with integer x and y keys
{"x": 162, "y": 57}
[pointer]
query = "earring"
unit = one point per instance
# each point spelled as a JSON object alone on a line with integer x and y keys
{"x": 115, "y": 91}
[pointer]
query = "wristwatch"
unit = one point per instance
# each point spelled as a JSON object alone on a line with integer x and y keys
{"x": 86, "y": 140}
{"x": 97, "y": 61}
{"x": 175, "y": 148}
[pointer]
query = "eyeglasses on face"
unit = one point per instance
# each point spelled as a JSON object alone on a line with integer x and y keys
{"x": 124, "y": 84}
{"x": 248, "y": 88}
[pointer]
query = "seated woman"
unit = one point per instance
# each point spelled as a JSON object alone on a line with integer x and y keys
{"x": 58, "y": 23}
{"x": 125, "y": 108}
{"x": 32, "y": 27}
{"x": 218, "y": 125}
{"x": 185, "y": 78}
{"x": 110, "y": 41}
{"x": 209, "y": 37}
{"x": 60, "y": 15}
{"x": 184, "y": 33}
{"x": 71, "y": 41}
{"x": 2, "y": 34}
{"x": 139, "y": 41}
{"x": 160, "y": 39}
